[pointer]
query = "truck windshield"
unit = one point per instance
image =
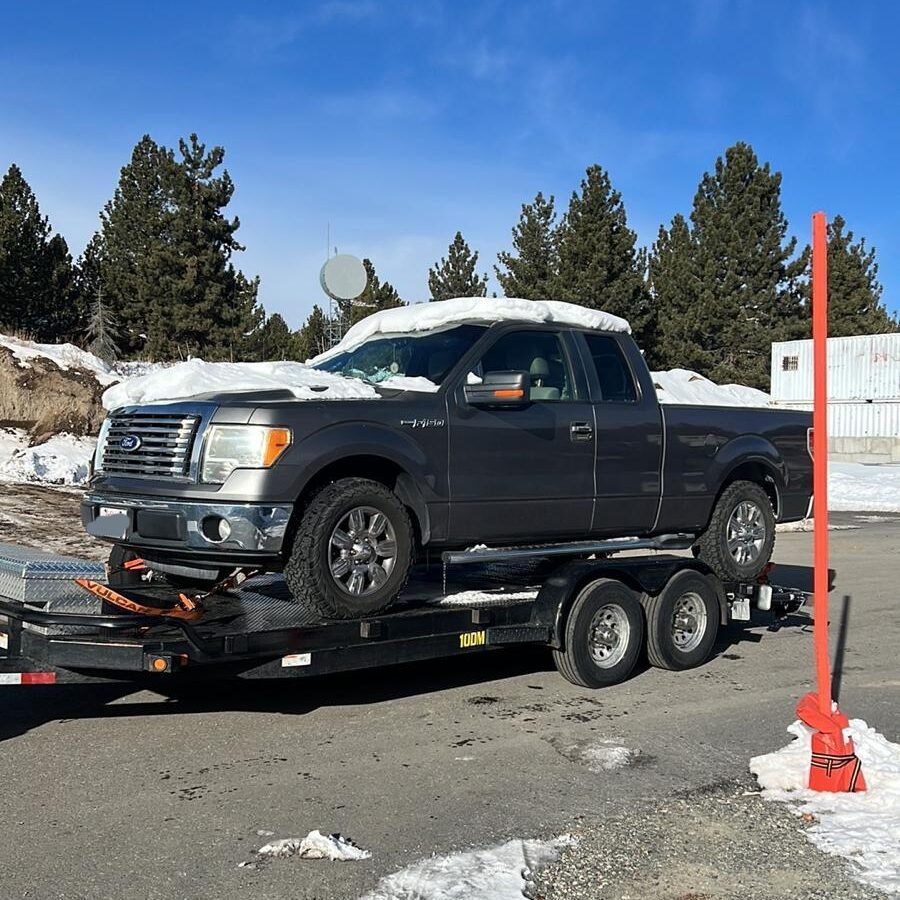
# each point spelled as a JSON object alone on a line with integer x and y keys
{"x": 428, "y": 355}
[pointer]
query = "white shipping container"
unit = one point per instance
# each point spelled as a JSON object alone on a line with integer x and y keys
{"x": 856, "y": 418}
{"x": 864, "y": 367}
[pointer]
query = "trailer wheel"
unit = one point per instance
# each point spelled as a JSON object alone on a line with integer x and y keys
{"x": 737, "y": 545}
{"x": 682, "y": 621}
{"x": 352, "y": 551}
{"x": 603, "y": 636}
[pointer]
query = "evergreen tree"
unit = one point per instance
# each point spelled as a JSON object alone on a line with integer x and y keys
{"x": 455, "y": 275}
{"x": 531, "y": 272}
{"x": 674, "y": 286}
{"x": 747, "y": 291}
{"x": 274, "y": 341}
{"x": 312, "y": 338}
{"x": 599, "y": 265}
{"x": 37, "y": 280}
{"x": 102, "y": 331}
{"x": 854, "y": 292}
{"x": 164, "y": 256}
{"x": 378, "y": 295}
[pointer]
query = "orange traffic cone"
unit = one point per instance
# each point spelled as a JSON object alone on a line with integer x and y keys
{"x": 833, "y": 766}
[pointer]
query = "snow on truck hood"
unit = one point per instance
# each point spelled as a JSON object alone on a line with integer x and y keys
{"x": 444, "y": 313}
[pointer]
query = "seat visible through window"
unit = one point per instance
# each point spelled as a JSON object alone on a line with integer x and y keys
{"x": 538, "y": 353}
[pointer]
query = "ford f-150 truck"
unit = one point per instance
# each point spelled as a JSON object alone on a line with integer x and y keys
{"x": 491, "y": 421}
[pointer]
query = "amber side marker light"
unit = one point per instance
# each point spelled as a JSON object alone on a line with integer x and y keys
{"x": 277, "y": 441}
{"x": 159, "y": 664}
{"x": 509, "y": 394}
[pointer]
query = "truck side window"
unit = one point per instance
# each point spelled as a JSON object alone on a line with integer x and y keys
{"x": 540, "y": 353}
{"x": 616, "y": 380}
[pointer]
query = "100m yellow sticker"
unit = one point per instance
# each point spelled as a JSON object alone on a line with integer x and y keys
{"x": 472, "y": 639}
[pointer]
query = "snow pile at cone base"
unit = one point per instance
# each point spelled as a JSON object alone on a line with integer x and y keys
{"x": 315, "y": 845}
{"x": 495, "y": 873}
{"x": 865, "y": 827}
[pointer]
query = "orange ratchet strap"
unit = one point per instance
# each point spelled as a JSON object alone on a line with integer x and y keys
{"x": 188, "y": 609}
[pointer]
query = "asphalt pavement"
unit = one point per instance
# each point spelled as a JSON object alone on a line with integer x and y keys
{"x": 112, "y": 792}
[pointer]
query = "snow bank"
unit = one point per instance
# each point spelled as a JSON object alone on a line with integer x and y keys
{"x": 684, "y": 386}
{"x": 855, "y": 486}
{"x": 496, "y": 873}
{"x": 188, "y": 379}
{"x": 63, "y": 460}
{"x": 863, "y": 828}
{"x": 443, "y": 313}
{"x": 315, "y": 845}
{"x": 66, "y": 356}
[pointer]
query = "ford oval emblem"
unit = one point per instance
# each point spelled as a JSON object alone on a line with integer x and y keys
{"x": 130, "y": 443}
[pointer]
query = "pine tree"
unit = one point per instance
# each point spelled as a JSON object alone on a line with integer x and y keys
{"x": 102, "y": 331}
{"x": 455, "y": 275}
{"x": 599, "y": 265}
{"x": 674, "y": 287}
{"x": 312, "y": 338}
{"x": 273, "y": 341}
{"x": 854, "y": 292}
{"x": 724, "y": 292}
{"x": 37, "y": 280}
{"x": 378, "y": 295}
{"x": 531, "y": 272}
{"x": 164, "y": 256}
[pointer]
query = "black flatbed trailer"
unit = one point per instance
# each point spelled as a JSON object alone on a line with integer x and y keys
{"x": 596, "y": 615}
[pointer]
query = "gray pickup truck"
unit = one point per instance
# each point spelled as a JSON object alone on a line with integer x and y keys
{"x": 527, "y": 432}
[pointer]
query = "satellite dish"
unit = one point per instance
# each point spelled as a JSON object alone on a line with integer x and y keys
{"x": 343, "y": 277}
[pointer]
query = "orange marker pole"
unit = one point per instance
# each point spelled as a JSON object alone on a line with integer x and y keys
{"x": 820, "y": 457}
{"x": 834, "y": 765}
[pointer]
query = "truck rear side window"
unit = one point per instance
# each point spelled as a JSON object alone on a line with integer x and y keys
{"x": 616, "y": 380}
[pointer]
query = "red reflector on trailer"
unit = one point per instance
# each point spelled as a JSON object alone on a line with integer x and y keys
{"x": 27, "y": 677}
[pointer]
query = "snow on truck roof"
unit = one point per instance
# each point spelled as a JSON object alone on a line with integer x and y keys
{"x": 442, "y": 313}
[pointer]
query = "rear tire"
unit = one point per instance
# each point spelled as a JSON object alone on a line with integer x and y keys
{"x": 682, "y": 621}
{"x": 603, "y": 637}
{"x": 738, "y": 542}
{"x": 353, "y": 550}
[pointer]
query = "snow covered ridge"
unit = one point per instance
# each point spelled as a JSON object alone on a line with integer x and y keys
{"x": 66, "y": 356}
{"x": 443, "y": 313}
{"x": 863, "y": 828}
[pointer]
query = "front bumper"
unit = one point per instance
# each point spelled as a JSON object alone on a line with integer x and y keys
{"x": 177, "y": 526}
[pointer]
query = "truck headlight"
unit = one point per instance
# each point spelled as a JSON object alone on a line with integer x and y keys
{"x": 230, "y": 447}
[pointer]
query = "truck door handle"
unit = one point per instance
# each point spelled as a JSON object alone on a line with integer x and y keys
{"x": 581, "y": 431}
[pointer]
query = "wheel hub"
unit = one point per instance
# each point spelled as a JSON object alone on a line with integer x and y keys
{"x": 608, "y": 635}
{"x": 688, "y": 622}
{"x": 362, "y": 551}
{"x": 746, "y": 533}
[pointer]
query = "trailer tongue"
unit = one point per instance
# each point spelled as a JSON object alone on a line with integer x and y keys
{"x": 597, "y": 616}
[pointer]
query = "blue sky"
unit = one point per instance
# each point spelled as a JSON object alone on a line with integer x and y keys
{"x": 398, "y": 123}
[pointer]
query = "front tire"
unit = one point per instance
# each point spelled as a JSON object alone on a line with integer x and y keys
{"x": 737, "y": 545}
{"x": 353, "y": 550}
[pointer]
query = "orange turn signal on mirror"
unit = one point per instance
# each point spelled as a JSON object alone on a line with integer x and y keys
{"x": 509, "y": 394}
{"x": 277, "y": 441}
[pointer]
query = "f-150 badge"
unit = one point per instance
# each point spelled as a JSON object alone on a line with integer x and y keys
{"x": 423, "y": 423}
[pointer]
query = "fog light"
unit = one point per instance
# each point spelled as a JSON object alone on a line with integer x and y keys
{"x": 215, "y": 529}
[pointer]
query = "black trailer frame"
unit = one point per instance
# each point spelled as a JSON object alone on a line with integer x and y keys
{"x": 259, "y": 632}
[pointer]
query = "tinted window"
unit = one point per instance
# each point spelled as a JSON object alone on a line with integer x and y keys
{"x": 616, "y": 382}
{"x": 540, "y": 354}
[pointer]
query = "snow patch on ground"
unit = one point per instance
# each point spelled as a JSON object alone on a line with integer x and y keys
{"x": 485, "y": 598}
{"x": 684, "y": 386}
{"x": 503, "y": 872}
{"x": 604, "y": 756}
{"x": 864, "y": 828}
{"x": 315, "y": 845}
{"x": 194, "y": 377}
{"x": 853, "y": 486}
{"x": 63, "y": 460}
{"x": 66, "y": 356}
{"x": 444, "y": 313}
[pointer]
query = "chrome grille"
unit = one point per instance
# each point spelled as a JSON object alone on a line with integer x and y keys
{"x": 166, "y": 441}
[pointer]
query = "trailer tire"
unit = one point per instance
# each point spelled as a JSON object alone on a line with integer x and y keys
{"x": 603, "y": 636}
{"x": 742, "y": 524}
{"x": 311, "y": 570}
{"x": 682, "y": 621}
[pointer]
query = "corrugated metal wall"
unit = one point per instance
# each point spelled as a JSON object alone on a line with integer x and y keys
{"x": 856, "y": 418}
{"x": 866, "y": 367}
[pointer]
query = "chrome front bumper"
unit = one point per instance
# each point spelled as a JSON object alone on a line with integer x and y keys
{"x": 257, "y": 528}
